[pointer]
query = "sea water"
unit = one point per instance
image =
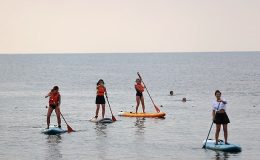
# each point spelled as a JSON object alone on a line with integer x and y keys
{"x": 26, "y": 79}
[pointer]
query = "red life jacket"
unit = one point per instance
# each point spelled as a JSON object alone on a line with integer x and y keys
{"x": 54, "y": 99}
{"x": 101, "y": 90}
{"x": 139, "y": 87}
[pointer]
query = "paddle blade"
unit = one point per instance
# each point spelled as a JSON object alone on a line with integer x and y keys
{"x": 113, "y": 118}
{"x": 69, "y": 129}
{"x": 157, "y": 109}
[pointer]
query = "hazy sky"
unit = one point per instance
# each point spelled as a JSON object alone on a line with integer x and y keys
{"x": 129, "y": 25}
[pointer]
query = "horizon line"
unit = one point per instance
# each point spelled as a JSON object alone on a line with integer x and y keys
{"x": 152, "y": 52}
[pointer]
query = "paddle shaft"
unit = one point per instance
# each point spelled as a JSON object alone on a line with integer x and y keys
{"x": 113, "y": 118}
{"x": 69, "y": 128}
{"x": 157, "y": 109}
{"x": 109, "y": 105}
{"x": 209, "y": 130}
{"x": 64, "y": 119}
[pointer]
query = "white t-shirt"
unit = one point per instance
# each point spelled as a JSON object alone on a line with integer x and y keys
{"x": 217, "y": 107}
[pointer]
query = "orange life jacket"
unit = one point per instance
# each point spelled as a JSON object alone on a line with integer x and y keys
{"x": 139, "y": 87}
{"x": 54, "y": 99}
{"x": 101, "y": 90}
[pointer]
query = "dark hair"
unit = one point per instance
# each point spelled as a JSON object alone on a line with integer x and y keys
{"x": 55, "y": 88}
{"x": 101, "y": 80}
{"x": 217, "y": 91}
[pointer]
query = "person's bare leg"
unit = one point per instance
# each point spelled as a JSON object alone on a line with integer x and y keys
{"x": 97, "y": 110}
{"x": 49, "y": 116}
{"x": 143, "y": 106}
{"x": 103, "y": 110}
{"x": 225, "y": 129}
{"x": 217, "y": 132}
{"x": 57, "y": 111}
{"x": 137, "y": 103}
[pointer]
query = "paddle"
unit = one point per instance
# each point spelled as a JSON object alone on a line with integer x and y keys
{"x": 204, "y": 146}
{"x": 69, "y": 128}
{"x": 113, "y": 118}
{"x": 156, "y": 108}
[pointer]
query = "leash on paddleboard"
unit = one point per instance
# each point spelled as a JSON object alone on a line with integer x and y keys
{"x": 113, "y": 117}
{"x": 204, "y": 146}
{"x": 156, "y": 108}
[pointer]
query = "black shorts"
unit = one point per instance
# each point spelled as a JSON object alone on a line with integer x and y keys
{"x": 139, "y": 94}
{"x": 53, "y": 106}
{"x": 100, "y": 100}
{"x": 221, "y": 118}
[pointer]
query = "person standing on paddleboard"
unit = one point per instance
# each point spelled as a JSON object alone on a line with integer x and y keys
{"x": 139, "y": 94}
{"x": 220, "y": 116}
{"x": 54, "y": 104}
{"x": 100, "y": 99}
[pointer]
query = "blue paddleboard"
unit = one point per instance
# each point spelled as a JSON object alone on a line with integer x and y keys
{"x": 221, "y": 146}
{"x": 53, "y": 130}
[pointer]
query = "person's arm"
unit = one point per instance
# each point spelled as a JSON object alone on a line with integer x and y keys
{"x": 223, "y": 101}
{"x": 142, "y": 88}
{"x": 59, "y": 102}
{"x": 213, "y": 114}
{"x": 48, "y": 95}
{"x": 136, "y": 88}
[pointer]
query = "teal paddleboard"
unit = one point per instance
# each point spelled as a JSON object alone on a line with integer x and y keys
{"x": 221, "y": 146}
{"x": 53, "y": 130}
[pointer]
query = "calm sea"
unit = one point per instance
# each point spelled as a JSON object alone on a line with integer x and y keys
{"x": 25, "y": 79}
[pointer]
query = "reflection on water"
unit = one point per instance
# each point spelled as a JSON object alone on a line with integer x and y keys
{"x": 221, "y": 155}
{"x": 101, "y": 129}
{"x": 140, "y": 126}
{"x": 53, "y": 151}
{"x": 139, "y": 140}
{"x": 101, "y": 140}
{"x": 224, "y": 155}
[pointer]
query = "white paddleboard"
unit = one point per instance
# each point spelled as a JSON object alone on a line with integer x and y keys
{"x": 104, "y": 120}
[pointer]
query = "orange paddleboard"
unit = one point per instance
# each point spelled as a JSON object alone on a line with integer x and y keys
{"x": 150, "y": 115}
